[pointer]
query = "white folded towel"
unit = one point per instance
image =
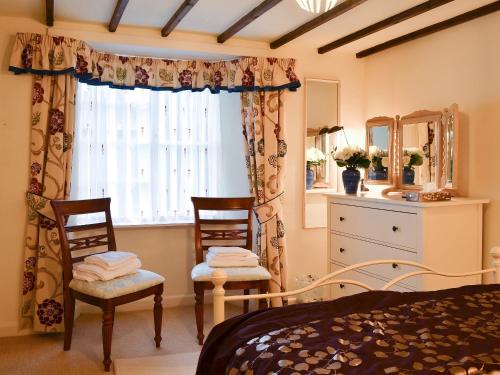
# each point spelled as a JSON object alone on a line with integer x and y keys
{"x": 237, "y": 257}
{"x": 111, "y": 260}
{"x": 251, "y": 262}
{"x": 86, "y": 271}
{"x": 229, "y": 251}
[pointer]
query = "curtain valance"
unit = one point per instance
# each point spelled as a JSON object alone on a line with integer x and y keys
{"x": 54, "y": 55}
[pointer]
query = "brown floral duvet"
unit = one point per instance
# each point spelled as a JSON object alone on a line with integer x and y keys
{"x": 381, "y": 332}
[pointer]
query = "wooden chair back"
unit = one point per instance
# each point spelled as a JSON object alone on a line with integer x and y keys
{"x": 68, "y": 233}
{"x": 215, "y": 230}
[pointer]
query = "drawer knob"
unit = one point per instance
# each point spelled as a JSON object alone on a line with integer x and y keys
{"x": 341, "y": 249}
{"x": 395, "y": 228}
{"x": 342, "y": 286}
{"x": 395, "y": 265}
{"x": 341, "y": 218}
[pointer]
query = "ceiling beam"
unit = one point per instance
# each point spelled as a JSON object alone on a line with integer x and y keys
{"x": 117, "y": 15}
{"x": 178, "y": 16}
{"x": 388, "y": 22}
{"x": 465, "y": 17}
{"x": 335, "y": 12}
{"x": 248, "y": 18}
{"x": 49, "y": 12}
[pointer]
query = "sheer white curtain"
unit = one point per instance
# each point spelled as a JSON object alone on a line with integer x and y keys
{"x": 150, "y": 151}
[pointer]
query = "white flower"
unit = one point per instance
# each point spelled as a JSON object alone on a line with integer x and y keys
{"x": 385, "y": 162}
{"x": 374, "y": 151}
{"x": 413, "y": 151}
{"x": 348, "y": 152}
{"x": 315, "y": 155}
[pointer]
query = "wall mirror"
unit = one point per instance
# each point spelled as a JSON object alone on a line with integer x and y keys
{"x": 321, "y": 124}
{"x": 450, "y": 139}
{"x": 380, "y": 148}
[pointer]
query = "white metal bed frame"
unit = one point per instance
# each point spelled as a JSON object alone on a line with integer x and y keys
{"x": 219, "y": 277}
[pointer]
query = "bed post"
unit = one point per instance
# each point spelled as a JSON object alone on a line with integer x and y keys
{"x": 495, "y": 253}
{"x": 218, "y": 278}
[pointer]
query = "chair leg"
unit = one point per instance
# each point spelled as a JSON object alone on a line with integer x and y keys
{"x": 108, "y": 316}
{"x": 198, "y": 310}
{"x": 263, "y": 301}
{"x": 69, "y": 316}
{"x": 246, "y": 292}
{"x": 158, "y": 314}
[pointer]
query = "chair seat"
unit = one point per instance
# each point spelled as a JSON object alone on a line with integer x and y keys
{"x": 117, "y": 287}
{"x": 203, "y": 272}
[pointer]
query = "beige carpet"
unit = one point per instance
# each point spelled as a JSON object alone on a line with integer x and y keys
{"x": 132, "y": 338}
{"x": 178, "y": 364}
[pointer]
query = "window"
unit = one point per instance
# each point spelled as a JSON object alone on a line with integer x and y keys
{"x": 150, "y": 151}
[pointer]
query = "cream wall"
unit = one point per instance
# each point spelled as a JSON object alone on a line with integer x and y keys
{"x": 458, "y": 65}
{"x": 166, "y": 250}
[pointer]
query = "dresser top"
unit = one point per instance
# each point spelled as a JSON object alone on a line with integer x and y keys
{"x": 395, "y": 199}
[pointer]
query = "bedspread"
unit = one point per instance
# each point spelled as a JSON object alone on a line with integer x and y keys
{"x": 377, "y": 332}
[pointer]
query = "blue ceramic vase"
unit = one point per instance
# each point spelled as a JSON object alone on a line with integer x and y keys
{"x": 408, "y": 176}
{"x": 377, "y": 175}
{"x": 350, "y": 178}
{"x": 309, "y": 178}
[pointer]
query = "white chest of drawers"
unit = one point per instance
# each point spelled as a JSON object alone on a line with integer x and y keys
{"x": 444, "y": 235}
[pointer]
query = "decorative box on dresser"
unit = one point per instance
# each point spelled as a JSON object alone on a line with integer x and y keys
{"x": 446, "y": 236}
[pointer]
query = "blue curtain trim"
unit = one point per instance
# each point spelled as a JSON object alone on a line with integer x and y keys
{"x": 88, "y": 79}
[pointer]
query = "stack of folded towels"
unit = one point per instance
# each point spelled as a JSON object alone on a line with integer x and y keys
{"x": 231, "y": 257}
{"x": 106, "y": 266}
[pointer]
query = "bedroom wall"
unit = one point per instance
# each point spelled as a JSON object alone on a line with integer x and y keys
{"x": 456, "y": 65}
{"x": 166, "y": 249}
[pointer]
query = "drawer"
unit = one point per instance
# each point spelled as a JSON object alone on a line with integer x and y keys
{"x": 393, "y": 227}
{"x": 341, "y": 290}
{"x": 348, "y": 250}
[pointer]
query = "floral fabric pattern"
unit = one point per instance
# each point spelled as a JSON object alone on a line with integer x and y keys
{"x": 52, "y": 120}
{"x": 43, "y": 54}
{"x": 265, "y": 148}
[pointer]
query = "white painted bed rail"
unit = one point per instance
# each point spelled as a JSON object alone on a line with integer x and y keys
{"x": 219, "y": 277}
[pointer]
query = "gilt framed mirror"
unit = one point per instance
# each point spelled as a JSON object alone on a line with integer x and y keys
{"x": 380, "y": 138}
{"x": 419, "y": 148}
{"x": 320, "y": 172}
{"x": 450, "y": 152}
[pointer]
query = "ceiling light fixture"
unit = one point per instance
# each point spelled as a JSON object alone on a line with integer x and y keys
{"x": 316, "y": 6}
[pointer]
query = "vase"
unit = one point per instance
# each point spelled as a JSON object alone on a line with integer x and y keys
{"x": 309, "y": 178}
{"x": 408, "y": 176}
{"x": 377, "y": 175}
{"x": 350, "y": 178}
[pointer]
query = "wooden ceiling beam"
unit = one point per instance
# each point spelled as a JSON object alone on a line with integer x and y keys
{"x": 49, "y": 12}
{"x": 465, "y": 17}
{"x": 388, "y": 22}
{"x": 248, "y": 18}
{"x": 178, "y": 16}
{"x": 117, "y": 15}
{"x": 335, "y": 12}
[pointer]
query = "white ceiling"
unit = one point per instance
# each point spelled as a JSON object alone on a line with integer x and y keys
{"x": 214, "y": 16}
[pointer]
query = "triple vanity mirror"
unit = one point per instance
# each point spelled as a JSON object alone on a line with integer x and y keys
{"x": 322, "y": 122}
{"x": 424, "y": 151}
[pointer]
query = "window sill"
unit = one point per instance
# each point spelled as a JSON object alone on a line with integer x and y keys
{"x": 152, "y": 226}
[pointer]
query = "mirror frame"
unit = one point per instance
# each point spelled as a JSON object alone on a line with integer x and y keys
{"x": 377, "y": 122}
{"x": 333, "y": 176}
{"x": 416, "y": 118}
{"x": 448, "y": 113}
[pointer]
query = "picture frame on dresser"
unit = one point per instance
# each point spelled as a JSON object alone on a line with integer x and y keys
{"x": 367, "y": 228}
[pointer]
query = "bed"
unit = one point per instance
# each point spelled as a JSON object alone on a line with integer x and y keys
{"x": 375, "y": 332}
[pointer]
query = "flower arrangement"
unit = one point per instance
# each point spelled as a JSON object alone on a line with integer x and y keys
{"x": 314, "y": 156}
{"x": 379, "y": 158}
{"x": 412, "y": 156}
{"x": 352, "y": 157}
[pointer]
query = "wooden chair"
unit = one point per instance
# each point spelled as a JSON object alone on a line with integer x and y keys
{"x": 216, "y": 230}
{"x": 104, "y": 294}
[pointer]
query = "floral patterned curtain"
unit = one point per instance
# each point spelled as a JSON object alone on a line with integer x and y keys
{"x": 49, "y": 55}
{"x": 52, "y": 122}
{"x": 265, "y": 147}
